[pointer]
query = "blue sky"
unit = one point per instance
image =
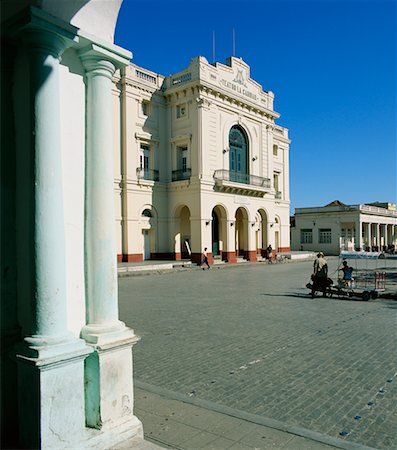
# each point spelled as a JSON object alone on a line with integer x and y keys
{"x": 331, "y": 65}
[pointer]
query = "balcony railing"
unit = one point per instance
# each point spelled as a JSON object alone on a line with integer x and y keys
{"x": 243, "y": 178}
{"x": 181, "y": 174}
{"x": 148, "y": 174}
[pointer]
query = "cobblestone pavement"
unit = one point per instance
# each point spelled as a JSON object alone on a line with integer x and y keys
{"x": 250, "y": 338}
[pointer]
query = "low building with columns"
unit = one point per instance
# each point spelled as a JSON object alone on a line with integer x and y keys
{"x": 199, "y": 162}
{"x": 66, "y": 358}
{"x": 336, "y": 227}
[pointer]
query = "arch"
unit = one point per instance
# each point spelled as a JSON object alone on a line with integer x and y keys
{"x": 149, "y": 230}
{"x": 182, "y": 232}
{"x": 219, "y": 231}
{"x": 238, "y": 154}
{"x": 228, "y": 124}
{"x": 262, "y": 238}
{"x": 241, "y": 232}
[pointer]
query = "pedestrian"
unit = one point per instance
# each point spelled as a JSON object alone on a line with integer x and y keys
{"x": 204, "y": 259}
{"x": 269, "y": 252}
{"x": 320, "y": 274}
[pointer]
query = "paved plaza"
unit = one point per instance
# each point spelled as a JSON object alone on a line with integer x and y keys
{"x": 249, "y": 340}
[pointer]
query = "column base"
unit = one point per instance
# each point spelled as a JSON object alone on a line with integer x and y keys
{"x": 51, "y": 399}
{"x": 109, "y": 396}
{"x": 103, "y": 334}
{"x": 250, "y": 255}
{"x": 229, "y": 257}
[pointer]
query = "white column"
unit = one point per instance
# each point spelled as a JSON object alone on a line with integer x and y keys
{"x": 359, "y": 239}
{"x": 109, "y": 375}
{"x": 100, "y": 245}
{"x": 51, "y": 359}
{"x": 49, "y": 311}
{"x": 370, "y": 238}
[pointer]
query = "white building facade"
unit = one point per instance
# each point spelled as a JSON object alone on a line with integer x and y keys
{"x": 199, "y": 163}
{"x": 336, "y": 227}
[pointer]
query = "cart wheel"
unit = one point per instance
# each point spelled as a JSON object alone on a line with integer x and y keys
{"x": 366, "y": 295}
{"x": 374, "y": 295}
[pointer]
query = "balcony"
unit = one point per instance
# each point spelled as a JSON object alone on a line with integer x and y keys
{"x": 241, "y": 183}
{"x": 148, "y": 174}
{"x": 178, "y": 175}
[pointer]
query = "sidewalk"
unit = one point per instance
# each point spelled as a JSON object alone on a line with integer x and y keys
{"x": 150, "y": 266}
{"x": 175, "y": 423}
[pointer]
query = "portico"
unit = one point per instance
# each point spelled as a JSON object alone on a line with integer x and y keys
{"x": 335, "y": 227}
{"x": 69, "y": 382}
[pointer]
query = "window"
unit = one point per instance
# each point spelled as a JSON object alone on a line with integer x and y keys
{"x": 238, "y": 155}
{"x": 275, "y": 150}
{"x": 144, "y": 157}
{"x": 181, "y": 110}
{"x": 324, "y": 236}
{"x": 147, "y": 213}
{"x": 145, "y": 164}
{"x": 145, "y": 107}
{"x": 182, "y": 159}
{"x": 275, "y": 181}
{"x": 306, "y": 236}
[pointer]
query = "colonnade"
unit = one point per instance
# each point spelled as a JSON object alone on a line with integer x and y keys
{"x": 377, "y": 236}
{"x": 70, "y": 385}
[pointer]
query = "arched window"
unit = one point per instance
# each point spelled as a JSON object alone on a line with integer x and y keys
{"x": 147, "y": 213}
{"x": 238, "y": 155}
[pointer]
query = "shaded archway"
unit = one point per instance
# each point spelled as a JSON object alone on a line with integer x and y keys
{"x": 148, "y": 224}
{"x": 182, "y": 233}
{"x": 262, "y": 239}
{"x": 219, "y": 231}
{"x": 241, "y": 234}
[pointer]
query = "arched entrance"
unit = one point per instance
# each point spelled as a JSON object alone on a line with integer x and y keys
{"x": 238, "y": 155}
{"x": 148, "y": 226}
{"x": 262, "y": 239}
{"x": 182, "y": 234}
{"x": 219, "y": 232}
{"x": 241, "y": 232}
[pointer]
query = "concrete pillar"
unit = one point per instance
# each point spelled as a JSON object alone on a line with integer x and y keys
{"x": 229, "y": 253}
{"x": 109, "y": 374}
{"x": 251, "y": 244}
{"x": 50, "y": 359}
{"x": 370, "y": 241}
{"x": 359, "y": 234}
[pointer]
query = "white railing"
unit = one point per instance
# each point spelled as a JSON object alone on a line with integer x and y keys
{"x": 182, "y": 78}
{"x": 376, "y": 210}
{"x": 145, "y": 76}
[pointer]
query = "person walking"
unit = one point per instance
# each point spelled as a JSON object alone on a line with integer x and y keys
{"x": 204, "y": 259}
{"x": 320, "y": 274}
{"x": 269, "y": 251}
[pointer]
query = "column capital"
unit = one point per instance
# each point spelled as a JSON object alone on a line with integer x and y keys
{"x": 44, "y": 41}
{"x": 42, "y": 32}
{"x": 101, "y": 61}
